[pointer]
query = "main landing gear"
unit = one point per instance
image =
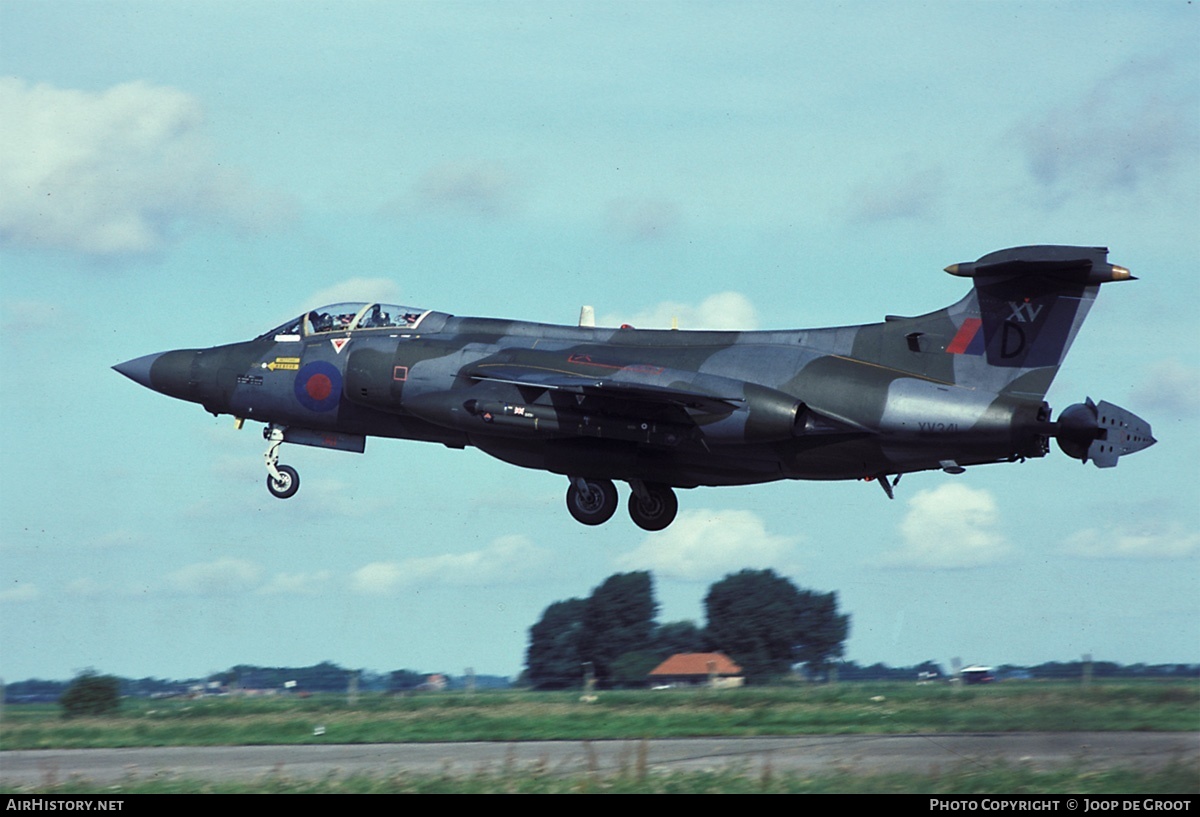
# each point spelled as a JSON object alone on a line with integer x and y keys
{"x": 282, "y": 480}
{"x": 652, "y": 506}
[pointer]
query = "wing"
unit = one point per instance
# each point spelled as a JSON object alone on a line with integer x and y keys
{"x": 614, "y": 394}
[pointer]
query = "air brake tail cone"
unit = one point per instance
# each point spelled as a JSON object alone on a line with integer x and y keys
{"x": 1101, "y": 432}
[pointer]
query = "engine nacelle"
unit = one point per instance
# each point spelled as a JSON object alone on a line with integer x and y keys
{"x": 768, "y": 415}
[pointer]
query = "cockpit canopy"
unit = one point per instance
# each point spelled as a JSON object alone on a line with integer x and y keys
{"x": 351, "y": 316}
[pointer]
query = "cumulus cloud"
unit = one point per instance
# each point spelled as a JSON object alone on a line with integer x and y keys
{"x": 703, "y": 545}
{"x": 950, "y": 527}
{"x": 1152, "y": 540}
{"x": 222, "y": 577}
{"x": 1132, "y": 127}
{"x": 508, "y": 559}
{"x": 115, "y": 172}
{"x": 725, "y": 310}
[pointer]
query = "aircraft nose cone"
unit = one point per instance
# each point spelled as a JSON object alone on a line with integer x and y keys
{"x": 138, "y": 369}
{"x": 171, "y": 373}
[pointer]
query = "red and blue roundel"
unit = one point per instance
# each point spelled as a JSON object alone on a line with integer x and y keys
{"x": 319, "y": 386}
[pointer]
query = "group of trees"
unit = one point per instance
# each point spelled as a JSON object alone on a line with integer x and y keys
{"x": 79, "y": 695}
{"x": 91, "y": 694}
{"x": 759, "y": 619}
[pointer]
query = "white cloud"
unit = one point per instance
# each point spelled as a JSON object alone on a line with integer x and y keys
{"x": 702, "y": 545}
{"x": 378, "y": 578}
{"x": 20, "y": 594}
{"x": 367, "y": 290}
{"x": 950, "y": 527}
{"x": 115, "y": 172}
{"x": 297, "y": 584}
{"x": 725, "y": 310}
{"x": 508, "y": 559}
{"x": 222, "y": 577}
{"x": 21, "y": 315}
{"x": 1153, "y": 540}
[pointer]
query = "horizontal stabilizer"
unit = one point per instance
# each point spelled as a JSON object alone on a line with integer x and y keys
{"x": 1083, "y": 265}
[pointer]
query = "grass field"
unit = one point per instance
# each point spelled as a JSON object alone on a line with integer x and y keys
{"x": 848, "y": 708}
{"x": 997, "y": 779}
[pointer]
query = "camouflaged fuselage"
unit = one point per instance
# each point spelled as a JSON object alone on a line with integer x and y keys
{"x": 960, "y": 386}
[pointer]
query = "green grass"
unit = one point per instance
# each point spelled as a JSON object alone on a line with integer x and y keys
{"x": 1178, "y": 778}
{"x": 848, "y": 708}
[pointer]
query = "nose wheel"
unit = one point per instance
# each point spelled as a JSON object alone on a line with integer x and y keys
{"x": 282, "y": 480}
{"x": 284, "y": 485}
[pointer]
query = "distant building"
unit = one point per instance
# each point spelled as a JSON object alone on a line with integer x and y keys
{"x": 697, "y": 669}
{"x": 433, "y": 683}
{"x": 977, "y": 675}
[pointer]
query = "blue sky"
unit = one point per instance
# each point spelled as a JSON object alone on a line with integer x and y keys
{"x": 193, "y": 173}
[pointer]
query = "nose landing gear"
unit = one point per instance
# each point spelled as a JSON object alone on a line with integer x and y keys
{"x": 282, "y": 480}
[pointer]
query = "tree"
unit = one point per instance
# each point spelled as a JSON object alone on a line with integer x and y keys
{"x": 632, "y": 669}
{"x": 765, "y": 623}
{"x": 618, "y": 618}
{"x": 91, "y": 694}
{"x": 820, "y": 631}
{"x": 404, "y": 680}
{"x": 553, "y": 660}
{"x": 676, "y": 637}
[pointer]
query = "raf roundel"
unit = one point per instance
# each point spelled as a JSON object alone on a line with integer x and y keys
{"x": 319, "y": 386}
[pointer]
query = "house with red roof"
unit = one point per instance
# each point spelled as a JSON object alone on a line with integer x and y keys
{"x": 712, "y": 669}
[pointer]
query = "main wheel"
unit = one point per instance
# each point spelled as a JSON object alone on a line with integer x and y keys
{"x": 285, "y": 487}
{"x": 657, "y": 510}
{"x": 596, "y": 506}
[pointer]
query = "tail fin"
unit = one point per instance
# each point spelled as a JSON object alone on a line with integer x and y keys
{"x": 1028, "y": 303}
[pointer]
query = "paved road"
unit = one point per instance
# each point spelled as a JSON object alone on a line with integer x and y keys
{"x": 862, "y": 754}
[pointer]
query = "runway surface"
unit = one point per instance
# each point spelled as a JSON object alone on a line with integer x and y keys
{"x": 859, "y": 754}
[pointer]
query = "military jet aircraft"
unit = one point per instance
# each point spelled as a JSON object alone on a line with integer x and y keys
{"x": 667, "y": 409}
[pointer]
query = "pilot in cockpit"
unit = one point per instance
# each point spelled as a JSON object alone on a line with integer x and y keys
{"x": 376, "y": 319}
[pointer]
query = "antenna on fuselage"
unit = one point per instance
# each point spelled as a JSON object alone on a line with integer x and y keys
{"x": 587, "y": 316}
